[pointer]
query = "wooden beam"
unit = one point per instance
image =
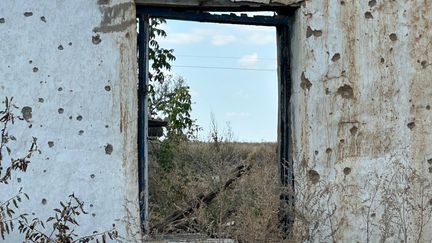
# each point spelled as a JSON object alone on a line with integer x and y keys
{"x": 221, "y": 4}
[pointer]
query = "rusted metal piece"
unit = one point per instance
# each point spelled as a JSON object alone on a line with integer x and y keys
{"x": 155, "y": 127}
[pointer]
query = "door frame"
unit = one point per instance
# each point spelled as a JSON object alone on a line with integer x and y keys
{"x": 283, "y": 23}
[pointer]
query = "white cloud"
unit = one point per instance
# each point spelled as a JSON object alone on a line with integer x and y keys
{"x": 241, "y": 94}
{"x": 261, "y": 39}
{"x": 221, "y": 40}
{"x": 182, "y": 38}
{"x": 249, "y": 60}
{"x": 238, "y": 114}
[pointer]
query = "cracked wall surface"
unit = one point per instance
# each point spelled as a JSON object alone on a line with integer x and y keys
{"x": 361, "y": 117}
{"x": 71, "y": 68}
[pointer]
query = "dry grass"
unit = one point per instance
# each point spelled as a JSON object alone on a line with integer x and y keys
{"x": 246, "y": 211}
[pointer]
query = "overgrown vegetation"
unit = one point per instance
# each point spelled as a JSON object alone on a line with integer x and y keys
{"x": 246, "y": 210}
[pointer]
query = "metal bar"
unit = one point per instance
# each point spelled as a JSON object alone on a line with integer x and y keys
{"x": 143, "y": 39}
{"x": 214, "y": 6}
{"x": 214, "y": 18}
{"x": 286, "y": 164}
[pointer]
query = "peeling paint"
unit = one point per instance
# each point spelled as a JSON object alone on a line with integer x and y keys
{"x": 116, "y": 18}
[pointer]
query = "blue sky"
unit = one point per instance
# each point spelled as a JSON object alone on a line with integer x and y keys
{"x": 244, "y": 97}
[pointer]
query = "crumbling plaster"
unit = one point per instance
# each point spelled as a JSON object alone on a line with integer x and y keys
{"x": 361, "y": 117}
{"x": 72, "y": 64}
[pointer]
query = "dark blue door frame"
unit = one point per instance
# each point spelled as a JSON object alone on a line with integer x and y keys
{"x": 282, "y": 22}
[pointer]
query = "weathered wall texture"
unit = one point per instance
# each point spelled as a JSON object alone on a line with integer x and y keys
{"x": 71, "y": 68}
{"x": 361, "y": 120}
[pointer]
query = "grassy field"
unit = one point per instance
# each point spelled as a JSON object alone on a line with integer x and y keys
{"x": 183, "y": 175}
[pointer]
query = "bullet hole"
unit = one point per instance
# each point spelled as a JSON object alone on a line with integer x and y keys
{"x": 393, "y": 37}
{"x": 424, "y": 64}
{"x": 127, "y": 35}
{"x": 42, "y": 18}
{"x": 346, "y": 92}
{"x": 60, "y": 47}
{"x": 382, "y": 60}
{"x": 35, "y": 69}
{"x": 19, "y": 180}
{"x": 305, "y": 83}
{"x": 430, "y": 202}
{"x": 60, "y": 110}
{"x": 347, "y": 170}
{"x": 327, "y": 91}
{"x": 50, "y": 144}
{"x": 79, "y": 118}
{"x": 316, "y": 152}
{"x": 2, "y": 21}
{"x": 91, "y": 205}
{"x": 372, "y": 3}
{"x": 106, "y": 126}
{"x": 70, "y": 44}
{"x": 328, "y": 151}
{"x": 429, "y": 161}
{"x": 44, "y": 201}
{"x": 26, "y": 112}
{"x": 342, "y": 141}
{"x": 368, "y": 15}
{"x": 310, "y": 32}
{"x": 28, "y": 14}
{"x": 411, "y": 125}
{"x": 70, "y": 117}
{"x": 60, "y": 89}
{"x": 373, "y": 215}
{"x": 430, "y": 169}
{"x": 30, "y": 61}
{"x": 354, "y": 130}
{"x": 336, "y": 57}
{"x": 44, "y": 171}
{"x": 81, "y": 132}
{"x": 342, "y": 3}
{"x": 41, "y": 100}
{"x": 108, "y": 149}
{"x": 96, "y": 39}
{"x": 92, "y": 176}
{"x": 94, "y": 215}
{"x": 314, "y": 176}
{"x": 102, "y": 2}
{"x": 108, "y": 88}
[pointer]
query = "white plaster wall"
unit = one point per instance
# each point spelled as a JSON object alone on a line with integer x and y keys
{"x": 361, "y": 120}
{"x": 78, "y": 56}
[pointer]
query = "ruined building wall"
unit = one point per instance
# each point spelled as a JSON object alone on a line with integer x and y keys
{"x": 71, "y": 68}
{"x": 361, "y": 116}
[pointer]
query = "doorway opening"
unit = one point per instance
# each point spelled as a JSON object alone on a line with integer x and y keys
{"x": 281, "y": 21}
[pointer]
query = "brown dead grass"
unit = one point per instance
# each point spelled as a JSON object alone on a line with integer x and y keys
{"x": 247, "y": 211}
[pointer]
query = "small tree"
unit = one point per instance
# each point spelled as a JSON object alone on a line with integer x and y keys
{"x": 169, "y": 97}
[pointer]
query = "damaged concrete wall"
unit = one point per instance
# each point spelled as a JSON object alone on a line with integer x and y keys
{"x": 361, "y": 120}
{"x": 71, "y": 68}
